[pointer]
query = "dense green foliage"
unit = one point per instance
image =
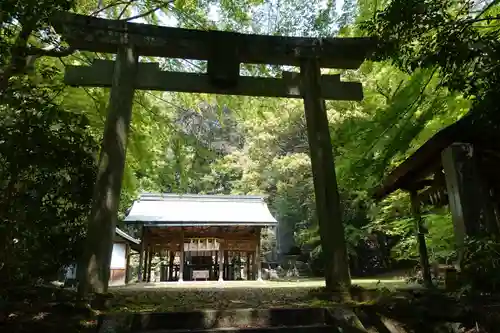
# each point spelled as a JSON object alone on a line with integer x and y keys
{"x": 436, "y": 59}
{"x": 482, "y": 264}
{"x": 47, "y": 171}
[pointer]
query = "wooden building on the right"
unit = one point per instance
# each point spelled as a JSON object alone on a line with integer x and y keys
{"x": 459, "y": 167}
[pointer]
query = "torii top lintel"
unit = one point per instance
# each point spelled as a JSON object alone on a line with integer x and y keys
{"x": 103, "y": 35}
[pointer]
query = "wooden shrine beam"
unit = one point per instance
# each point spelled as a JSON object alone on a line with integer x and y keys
{"x": 102, "y": 35}
{"x": 150, "y": 77}
{"x": 219, "y": 236}
{"x": 420, "y": 233}
{"x": 435, "y": 196}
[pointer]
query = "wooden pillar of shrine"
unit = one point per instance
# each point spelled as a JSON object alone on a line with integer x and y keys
{"x": 171, "y": 265}
{"x": 248, "y": 258}
{"x": 150, "y": 260}
{"x": 161, "y": 277}
{"x": 420, "y": 233}
{"x": 226, "y": 264}
{"x": 221, "y": 262}
{"x": 254, "y": 263}
{"x": 211, "y": 273}
{"x": 216, "y": 264}
{"x": 141, "y": 255}
{"x": 258, "y": 265}
{"x": 459, "y": 173}
{"x": 146, "y": 260}
{"x": 181, "y": 265}
{"x": 326, "y": 192}
{"x": 468, "y": 202}
{"x": 127, "y": 263}
{"x": 146, "y": 256}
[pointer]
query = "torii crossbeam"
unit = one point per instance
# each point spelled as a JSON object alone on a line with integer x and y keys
{"x": 224, "y": 52}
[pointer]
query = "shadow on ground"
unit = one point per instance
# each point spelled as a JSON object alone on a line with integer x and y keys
{"x": 54, "y": 309}
{"x": 43, "y": 309}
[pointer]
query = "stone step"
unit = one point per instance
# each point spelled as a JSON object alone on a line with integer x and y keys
{"x": 278, "y": 329}
{"x": 212, "y": 319}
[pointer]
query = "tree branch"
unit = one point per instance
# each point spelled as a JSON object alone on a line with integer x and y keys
{"x": 141, "y": 15}
{"x": 100, "y": 10}
{"x": 124, "y": 9}
{"x": 50, "y": 53}
{"x": 487, "y": 26}
{"x": 488, "y": 7}
{"x": 496, "y": 18}
{"x": 382, "y": 92}
{"x": 149, "y": 12}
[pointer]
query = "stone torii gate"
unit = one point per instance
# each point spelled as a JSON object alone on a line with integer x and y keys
{"x": 224, "y": 52}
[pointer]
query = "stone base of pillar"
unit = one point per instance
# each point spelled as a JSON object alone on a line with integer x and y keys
{"x": 259, "y": 280}
{"x": 180, "y": 280}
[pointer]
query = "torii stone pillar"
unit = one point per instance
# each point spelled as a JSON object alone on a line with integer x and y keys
{"x": 94, "y": 275}
{"x": 326, "y": 192}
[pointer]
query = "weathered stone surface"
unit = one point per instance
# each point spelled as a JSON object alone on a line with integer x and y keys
{"x": 102, "y": 35}
{"x": 150, "y": 77}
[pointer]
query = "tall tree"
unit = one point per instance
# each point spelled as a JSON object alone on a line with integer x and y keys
{"x": 457, "y": 37}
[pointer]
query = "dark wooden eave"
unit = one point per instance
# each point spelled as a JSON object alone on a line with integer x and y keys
{"x": 414, "y": 167}
{"x": 410, "y": 174}
{"x": 121, "y": 236}
{"x": 103, "y": 35}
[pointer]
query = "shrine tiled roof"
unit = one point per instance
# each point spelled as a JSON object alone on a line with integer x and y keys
{"x": 200, "y": 210}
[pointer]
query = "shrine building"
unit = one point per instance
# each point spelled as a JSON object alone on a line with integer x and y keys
{"x": 457, "y": 168}
{"x": 200, "y": 237}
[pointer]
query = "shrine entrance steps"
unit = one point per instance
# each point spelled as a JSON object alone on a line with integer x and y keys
{"x": 292, "y": 320}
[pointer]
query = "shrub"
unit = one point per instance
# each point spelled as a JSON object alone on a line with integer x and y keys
{"x": 47, "y": 172}
{"x": 480, "y": 269}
